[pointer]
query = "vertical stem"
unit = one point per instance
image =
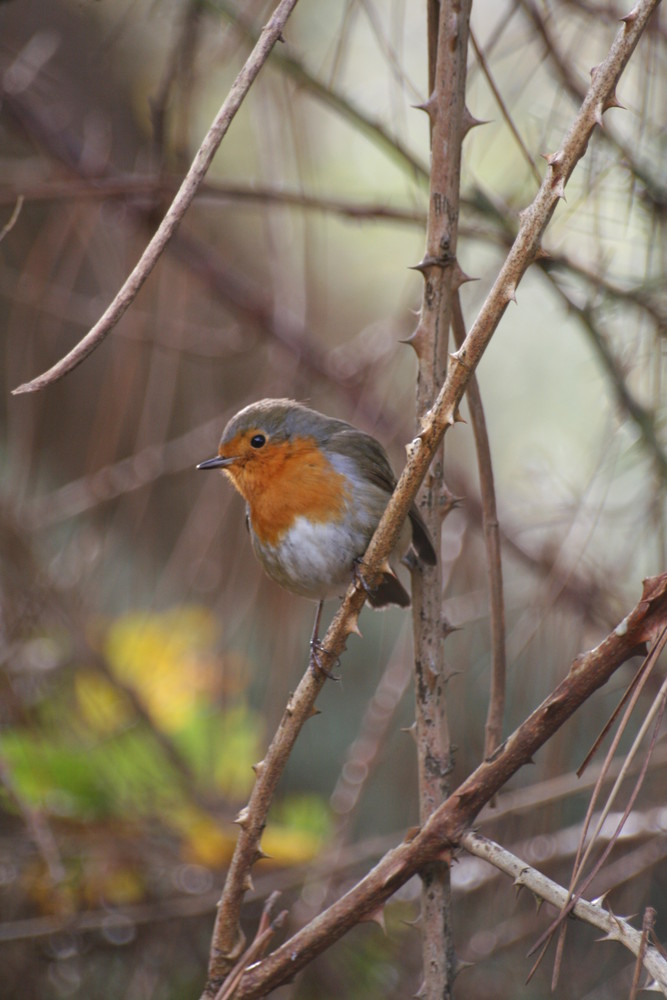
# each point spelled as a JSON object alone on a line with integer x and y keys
{"x": 448, "y": 24}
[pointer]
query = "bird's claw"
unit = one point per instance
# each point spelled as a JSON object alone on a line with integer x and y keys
{"x": 316, "y": 648}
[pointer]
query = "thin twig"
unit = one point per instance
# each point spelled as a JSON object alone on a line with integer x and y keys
{"x": 9, "y": 225}
{"x": 614, "y": 928}
{"x": 504, "y": 110}
{"x": 559, "y": 924}
{"x": 496, "y": 711}
{"x": 179, "y": 206}
{"x": 648, "y": 923}
{"x": 265, "y": 931}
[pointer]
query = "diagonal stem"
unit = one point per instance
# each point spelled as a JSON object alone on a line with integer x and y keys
{"x": 179, "y": 206}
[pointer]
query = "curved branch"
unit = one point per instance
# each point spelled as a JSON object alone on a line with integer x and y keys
{"x": 179, "y": 206}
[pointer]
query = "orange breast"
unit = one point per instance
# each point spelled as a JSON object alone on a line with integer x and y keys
{"x": 285, "y": 480}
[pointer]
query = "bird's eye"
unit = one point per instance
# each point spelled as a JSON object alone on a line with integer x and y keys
{"x": 257, "y": 441}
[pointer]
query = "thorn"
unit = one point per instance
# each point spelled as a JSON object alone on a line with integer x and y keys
{"x": 410, "y": 834}
{"x": 260, "y": 855}
{"x": 313, "y": 712}
{"x": 598, "y": 115}
{"x": 376, "y": 917}
{"x": 353, "y": 627}
{"x": 511, "y": 294}
{"x": 613, "y": 102}
{"x": 629, "y": 18}
{"x": 559, "y": 189}
{"x": 458, "y": 357}
{"x": 447, "y": 505}
{"x": 459, "y": 277}
{"x": 415, "y": 340}
{"x": 458, "y": 419}
{"x": 460, "y": 966}
{"x": 410, "y": 730}
{"x": 594, "y": 71}
{"x": 258, "y": 768}
{"x": 469, "y": 122}
{"x": 242, "y": 818}
{"x": 518, "y": 886}
{"x": 247, "y": 885}
{"x": 428, "y": 260}
{"x": 542, "y": 254}
{"x": 553, "y": 159}
{"x": 430, "y": 106}
{"x": 538, "y": 903}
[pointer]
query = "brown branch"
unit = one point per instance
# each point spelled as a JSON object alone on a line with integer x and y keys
{"x": 653, "y": 185}
{"x": 449, "y": 121}
{"x": 179, "y": 206}
{"x": 265, "y": 931}
{"x": 494, "y": 718}
{"x": 648, "y": 923}
{"x": 445, "y": 828}
{"x": 228, "y": 940}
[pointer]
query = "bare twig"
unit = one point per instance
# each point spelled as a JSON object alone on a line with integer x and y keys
{"x": 494, "y": 718}
{"x": 265, "y": 931}
{"x": 486, "y": 70}
{"x": 614, "y": 928}
{"x": 448, "y": 54}
{"x": 648, "y": 923}
{"x": 559, "y": 923}
{"x": 202, "y": 161}
{"x": 644, "y": 673}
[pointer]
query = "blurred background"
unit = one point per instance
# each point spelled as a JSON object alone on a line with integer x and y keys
{"x": 146, "y": 660}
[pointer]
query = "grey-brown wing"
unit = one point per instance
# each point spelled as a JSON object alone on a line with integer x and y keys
{"x": 367, "y": 450}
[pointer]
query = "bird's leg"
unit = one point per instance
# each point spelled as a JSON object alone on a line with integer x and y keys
{"x": 316, "y": 646}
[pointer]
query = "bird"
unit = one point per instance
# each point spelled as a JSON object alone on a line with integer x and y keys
{"x": 315, "y": 489}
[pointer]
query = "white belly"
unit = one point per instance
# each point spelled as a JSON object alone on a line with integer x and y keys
{"x": 313, "y": 560}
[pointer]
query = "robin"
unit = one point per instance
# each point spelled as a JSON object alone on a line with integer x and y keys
{"x": 315, "y": 489}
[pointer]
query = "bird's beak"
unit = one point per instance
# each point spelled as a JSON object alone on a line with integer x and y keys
{"x": 217, "y": 463}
